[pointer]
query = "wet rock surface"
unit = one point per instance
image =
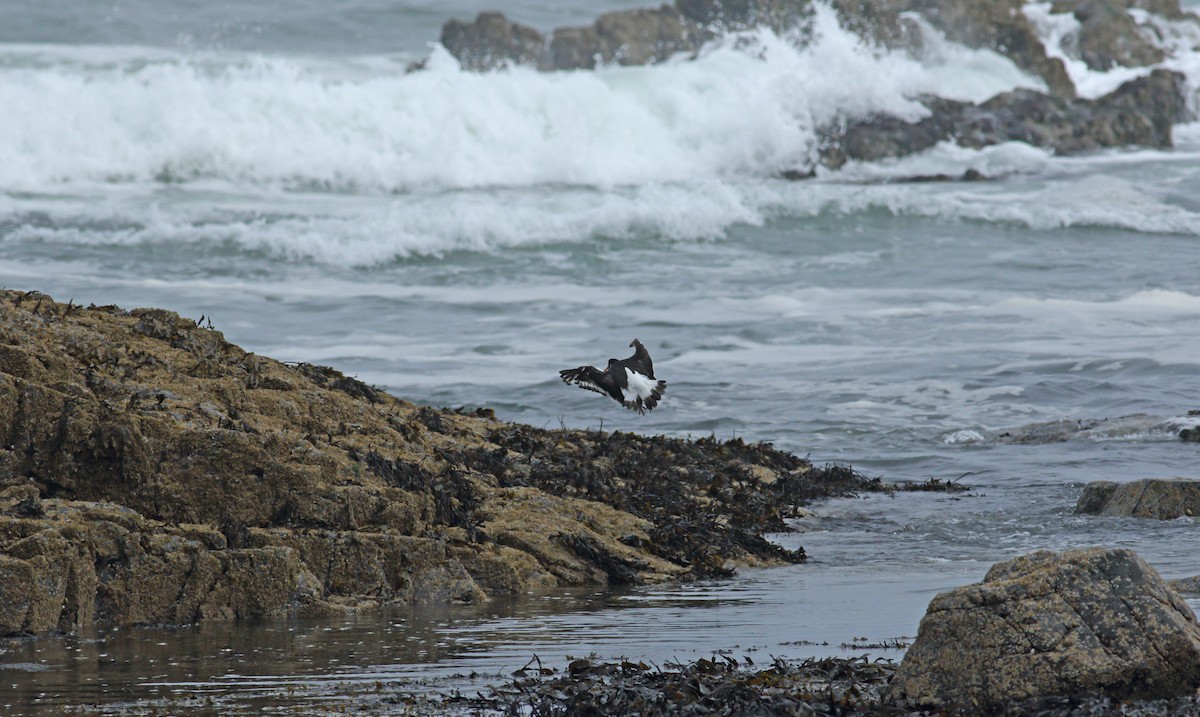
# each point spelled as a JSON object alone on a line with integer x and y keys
{"x": 151, "y": 472}
{"x": 1091, "y": 621}
{"x": 492, "y": 41}
{"x": 1140, "y": 113}
{"x": 1159, "y": 498}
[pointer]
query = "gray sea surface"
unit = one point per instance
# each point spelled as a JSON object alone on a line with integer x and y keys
{"x": 458, "y": 238}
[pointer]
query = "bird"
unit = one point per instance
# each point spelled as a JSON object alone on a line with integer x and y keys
{"x": 630, "y": 381}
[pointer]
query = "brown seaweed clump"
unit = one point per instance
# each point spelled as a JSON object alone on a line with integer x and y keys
{"x": 153, "y": 473}
{"x": 723, "y": 686}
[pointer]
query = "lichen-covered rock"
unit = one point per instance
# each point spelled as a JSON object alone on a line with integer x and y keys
{"x": 1090, "y": 620}
{"x": 154, "y": 473}
{"x": 1160, "y": 498}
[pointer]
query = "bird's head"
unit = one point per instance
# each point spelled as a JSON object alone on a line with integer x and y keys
{"x": 611, "y": 363}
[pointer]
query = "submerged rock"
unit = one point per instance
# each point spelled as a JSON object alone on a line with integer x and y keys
{"x": 1046, "y": 624}
{"x": 1164, "y": 499}
{"x": 152, "y": 472}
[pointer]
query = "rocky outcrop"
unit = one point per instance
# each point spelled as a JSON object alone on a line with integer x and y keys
{"x": 152, "y": 472}
{"x": 1108, "y": 34}
{"x": 1070, "y": 623}
{"x": 1140, "y": 112}
{"x": 492, "y": 41}
{"x": 1163, "y": 499}
{"x": 647, "y": 36}
{"x": 630, "y": 37}
{"x": 1000, "y": 26}
{"x": 732, "y": 15}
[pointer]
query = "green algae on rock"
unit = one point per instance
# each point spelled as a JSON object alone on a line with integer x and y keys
{"x": 153, "y": 473}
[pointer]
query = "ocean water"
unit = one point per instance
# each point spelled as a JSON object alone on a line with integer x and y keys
{"x": 457, "y": 238}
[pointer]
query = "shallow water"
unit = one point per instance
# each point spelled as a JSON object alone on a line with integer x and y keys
{"x": 459, "y": 238}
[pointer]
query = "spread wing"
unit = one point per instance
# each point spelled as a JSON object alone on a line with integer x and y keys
{"x": 589, "y": 377}
{"x": 640, "y": 360}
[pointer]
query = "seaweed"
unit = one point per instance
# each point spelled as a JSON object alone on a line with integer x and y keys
{"x": 719, "y": 685}
{"x": 710, "y": 501}
{"x": 327, "y": 377}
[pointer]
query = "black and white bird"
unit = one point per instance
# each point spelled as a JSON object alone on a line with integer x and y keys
{"x": 630, "y": 381}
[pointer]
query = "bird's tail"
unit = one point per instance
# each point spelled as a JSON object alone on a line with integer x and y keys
{"x": 655, "y": 396}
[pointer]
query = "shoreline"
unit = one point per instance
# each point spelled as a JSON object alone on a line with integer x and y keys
{"x": 157, "y": 474}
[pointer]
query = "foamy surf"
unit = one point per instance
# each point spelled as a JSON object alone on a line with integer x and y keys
{"x": 351, "y": 161}
{"x": 745, "y": 107}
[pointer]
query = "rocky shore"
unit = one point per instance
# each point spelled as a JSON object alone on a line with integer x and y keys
{"x": 1106, "y": 35}
{"x": 1083, "y": 632}
{"x": 153, "y": 473}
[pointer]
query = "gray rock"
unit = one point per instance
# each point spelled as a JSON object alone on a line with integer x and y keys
{"x": 997, "y": 25}
{"x": 1050, "y": 624}
{"x": 492, "y": 42}
{"x": 779, "y": 15}
{"x": 1095, "y": 496}
{"x": 882, "y": 22}
{"x": 1164, "y": 499}
{"x": 883, "y": 137}
{"x": 1186, "y": 586}
{"x": 631, "y": 37}
{"x": 1140, "y": 112}
{"x": 1109, "y": 35}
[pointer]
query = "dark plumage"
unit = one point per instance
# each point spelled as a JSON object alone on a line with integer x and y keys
{"x": 630, "y": 382}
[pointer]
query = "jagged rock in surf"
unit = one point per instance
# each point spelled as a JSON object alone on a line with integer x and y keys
{"x": 1110, "y": 36}
{"x": 1000, "y": 26}
{"x": 492, "y": 41}
{"x": 779, "y": 15}
{"x": 1141, "y": 112}
{"x": 629, "y": 37}
{"x": 1160, "y": 498}
{"x": 1045, "y": 624}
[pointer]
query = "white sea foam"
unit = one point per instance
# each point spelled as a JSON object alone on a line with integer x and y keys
{"x": 1179, "y": 39}
{"x": 124, "y": 116}
{"x": 353, "y": 162}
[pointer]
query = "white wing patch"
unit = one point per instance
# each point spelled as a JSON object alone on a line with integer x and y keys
{"x": 639, "y": 386}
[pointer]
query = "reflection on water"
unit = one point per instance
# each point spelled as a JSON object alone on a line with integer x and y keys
{"x": 876, "y": 562}
{"x": 242, "y": 666}
{"x": 313, "y": 664}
